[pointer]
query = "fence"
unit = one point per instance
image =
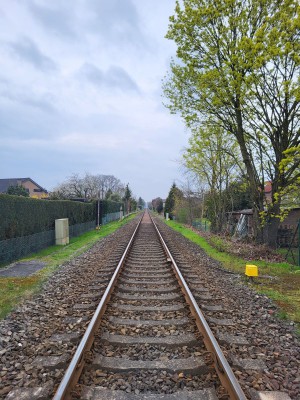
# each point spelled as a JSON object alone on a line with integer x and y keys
{"x": 78, "y": 229}
{"x": 293, "y": 247}
{"x": 202, "y": 225}
{"x": 110, "y": 217}
{"x": 15, "y": 248}
{"x": 12, "y": 249}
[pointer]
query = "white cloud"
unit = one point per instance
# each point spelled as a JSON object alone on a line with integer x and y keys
{"x": 80, "y": 90}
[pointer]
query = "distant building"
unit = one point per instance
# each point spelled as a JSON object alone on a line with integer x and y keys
{"x": 35, "y": 191}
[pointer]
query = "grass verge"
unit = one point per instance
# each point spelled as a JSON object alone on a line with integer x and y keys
{"x": 279, "y": 281}
{"x": 14, "y": 289}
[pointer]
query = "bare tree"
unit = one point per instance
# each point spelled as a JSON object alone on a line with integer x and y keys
{"x": 89, "y": 187}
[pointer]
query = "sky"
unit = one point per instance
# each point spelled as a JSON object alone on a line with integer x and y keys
{"x": 80, "y": 92}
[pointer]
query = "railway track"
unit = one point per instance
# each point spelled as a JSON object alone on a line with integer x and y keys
{"x": 148, "y": 338}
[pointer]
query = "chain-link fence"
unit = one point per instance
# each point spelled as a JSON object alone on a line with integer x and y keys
{"x": 201, "y": 225}
{"x": 293, "y": 247}
{"x": 78, "y": 229}
{"x": 15, "y": 248}
{"x": 12, "y": 249}
{"x": 110, "y": 217}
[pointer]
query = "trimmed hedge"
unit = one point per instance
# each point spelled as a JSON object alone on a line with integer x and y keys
{"x": 21, "y": 216}
{"x": 109, "y": 207}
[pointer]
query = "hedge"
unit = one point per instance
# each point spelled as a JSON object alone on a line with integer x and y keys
{"x": 21, "y": 216}
{"x": 109, "y": 207}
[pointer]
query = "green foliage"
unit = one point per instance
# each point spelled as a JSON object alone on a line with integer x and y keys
{"x": 239, "y": 65}
{"x": 17, "y": 190}
{"x": 170, "y": 200}
{"x": 128, "y": 193}
{"x": 115, "y": 197}
{"x": 141, "y": 203}
{"x": 24, "y": 216}
{"x": 158, "y": 205}
{"x": 133, "y": 204}
{"x": 213, "y": 156}
{"x": 127, "y": 198}
{"x": 109, "y": 206}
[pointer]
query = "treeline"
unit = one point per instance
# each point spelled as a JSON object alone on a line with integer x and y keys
{"x": 189, "y": 203}
{"x": 97, "y": 187}
{"x": 236, "y": 85}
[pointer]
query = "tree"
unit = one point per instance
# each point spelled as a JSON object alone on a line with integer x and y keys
{"x": 133, "y": 204}
{"x": 127, "y": 197}
{"x": 141, "y": 203}
{"x": 188, "y": 206}
{"x": 170, "y": 200}
{"x": 17, "y": 190}
{"x": 213, "y": 156}
{"x": 108, "y": 194}
{"x": 115, "y": 197}
{"x": 157, "y": 205}
{"x": 89, "y": 187}
{"x": 234, "y": 56}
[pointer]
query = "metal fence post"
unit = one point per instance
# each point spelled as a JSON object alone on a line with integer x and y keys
{"x": 299, "y": 243}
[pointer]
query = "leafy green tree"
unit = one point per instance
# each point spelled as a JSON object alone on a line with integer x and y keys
{"x": 133, "y": 204}
{"x": 157, "y": 205}
{"x": 115, "y": 197}
{"x": 171, "y": 199}
{"x": 127, "y": 197}
{"x": 239, "y": 63}
{"x": 17, "y": 190}
{"x": 141, "y": 203}
{"x": 108, "y": 194}
{"x": 213, "y": 156}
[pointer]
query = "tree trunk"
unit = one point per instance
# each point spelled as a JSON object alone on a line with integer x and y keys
{"x": 272, "y": 226}
{"x": 257, "y": 195}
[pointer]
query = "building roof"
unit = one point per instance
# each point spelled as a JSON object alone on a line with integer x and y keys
{"x": 6, "y": 183}
{"x": 247, "y": 211}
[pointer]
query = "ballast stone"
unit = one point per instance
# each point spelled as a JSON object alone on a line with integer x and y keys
{"x": 249, "y": 364}
{"x": 35, "y": 393}
{"x": 98, "y": 393}
{"x": 273, "y": 395}
{"x": 232, "y": 339}
{"x": 51, "y": 362}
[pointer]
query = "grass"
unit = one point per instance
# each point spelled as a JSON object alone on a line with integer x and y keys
{"x": 14, "y": 289}
{"x": 279, "y": 281}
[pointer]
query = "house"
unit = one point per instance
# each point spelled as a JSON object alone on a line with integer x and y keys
{"x": 35, "y": 191}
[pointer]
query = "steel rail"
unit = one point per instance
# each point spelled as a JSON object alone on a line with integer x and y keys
{"x": 223, "y": 369}
{"x": 76, "y": 365}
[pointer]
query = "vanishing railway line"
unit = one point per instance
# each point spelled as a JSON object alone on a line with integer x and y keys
{"x": 148, "y": 338}
{"x": 148, "y": 329}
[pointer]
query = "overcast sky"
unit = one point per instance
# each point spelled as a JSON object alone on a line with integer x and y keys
{"x": 80, "y": 91}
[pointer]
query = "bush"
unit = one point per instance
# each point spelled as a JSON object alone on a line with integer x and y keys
{"x": 22, "y": 216}
{"x": 109, "y": 206}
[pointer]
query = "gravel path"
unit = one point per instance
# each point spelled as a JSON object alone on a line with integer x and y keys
{"x": 21, "y": 269}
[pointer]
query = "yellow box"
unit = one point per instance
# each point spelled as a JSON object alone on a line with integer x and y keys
{"x": 251, "y": 270}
